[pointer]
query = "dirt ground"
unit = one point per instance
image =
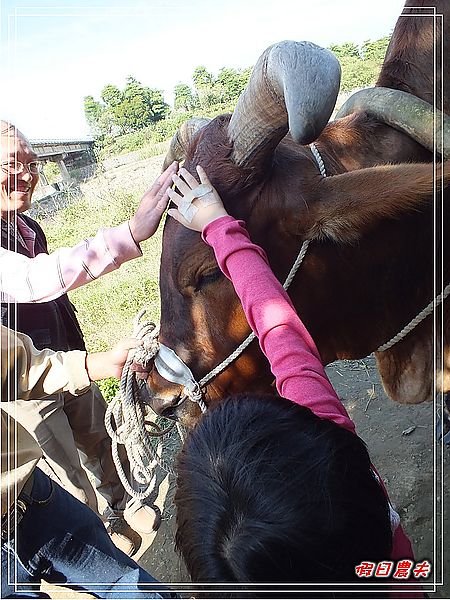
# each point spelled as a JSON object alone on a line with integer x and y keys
{"x": 400, "y": 441}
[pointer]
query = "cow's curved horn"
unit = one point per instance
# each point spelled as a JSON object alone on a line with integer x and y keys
{"x": 404, "y": 112}
{"x": 180, "y": 141}
{"x": 293, "y": 87}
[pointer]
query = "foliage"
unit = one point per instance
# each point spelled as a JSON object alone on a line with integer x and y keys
{"x": 375, "y": 50}
{"x": 124, "y": 111}
{"x": 109, "y": 388}
{"x": 346, "y": 49}
{"x": 137, "y": 118}
{"x": 184, "y": 98}
{"x": 212, "y": 92}
{"x": 111, "y": 95}
{"x": 360, "y": 66}
{"x": 357, "y": 73}
{"x": 152, "y": 135}
{"x": 51, "y": 171}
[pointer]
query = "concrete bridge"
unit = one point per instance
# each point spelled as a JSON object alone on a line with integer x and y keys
{"x": 75, "y": 158}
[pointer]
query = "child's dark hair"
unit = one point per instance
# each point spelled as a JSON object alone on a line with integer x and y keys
{"x": 269, "y": 492}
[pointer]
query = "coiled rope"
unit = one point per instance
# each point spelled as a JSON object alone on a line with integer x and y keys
{"x": 125, "y": 422}
{"x": 124, "y": 418}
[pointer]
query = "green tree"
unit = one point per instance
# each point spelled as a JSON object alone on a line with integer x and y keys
{"x": 360, "y": 67}
{"x": 357, "y": 73}
{"x": 347, "y": 49}
{"x": 207, "y": 92}
{"x": 98, "y": 117}
{"x": 158, "y": 108}
{"x": 126, "y": 110}
{"x": 232, "y": 83}
{"x": 111, "y": 95}
{"x": 376, "y": 50}
{"x": 52, "y": 172}
{"x": 202, "y": 78}
{"x": 184, "y": 98}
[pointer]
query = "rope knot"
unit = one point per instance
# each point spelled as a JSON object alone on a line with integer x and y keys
{"x": 125, "y": 420}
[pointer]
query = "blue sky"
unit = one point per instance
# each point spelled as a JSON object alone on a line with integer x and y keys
{"x": 55, "y": 53}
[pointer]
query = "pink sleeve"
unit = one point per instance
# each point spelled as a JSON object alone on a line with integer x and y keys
{"x": 48, "y": 276}
{"x": 283, "y": 338}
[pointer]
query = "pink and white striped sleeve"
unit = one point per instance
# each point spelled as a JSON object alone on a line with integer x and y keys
{"x": 48, "y": 276}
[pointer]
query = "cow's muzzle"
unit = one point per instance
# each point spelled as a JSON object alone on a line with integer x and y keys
{"x": 170, "y": 367}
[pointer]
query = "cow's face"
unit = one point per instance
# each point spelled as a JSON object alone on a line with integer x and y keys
{"x": 293, "y": 87}
{"x": 201, "y": 317}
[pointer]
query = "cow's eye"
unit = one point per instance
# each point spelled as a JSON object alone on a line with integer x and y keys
{"x": 206, "y": 278}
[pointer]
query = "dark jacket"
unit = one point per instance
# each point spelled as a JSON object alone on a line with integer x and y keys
{"x": 50, "y": 324}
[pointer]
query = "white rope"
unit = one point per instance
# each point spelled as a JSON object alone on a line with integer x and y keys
{"x": 318, "y": 158}
{"x": 240, "y": 349}
{"x": 125, "y": 423}
{"x": 424, "y": 313}
{"x": 126, "y": 409}
{"x": 414, "y": 322}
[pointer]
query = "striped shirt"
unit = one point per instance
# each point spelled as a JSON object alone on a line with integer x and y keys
{"x": 47, "y": 276}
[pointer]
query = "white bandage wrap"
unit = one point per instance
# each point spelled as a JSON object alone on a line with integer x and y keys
{"x": 185, "y": 206}
{"x": 187, "y": 209}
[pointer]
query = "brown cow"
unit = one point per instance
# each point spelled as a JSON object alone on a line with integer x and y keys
{"x": 370, "y": 266}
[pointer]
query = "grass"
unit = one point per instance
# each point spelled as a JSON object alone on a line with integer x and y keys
{"x": 107, "y": 306}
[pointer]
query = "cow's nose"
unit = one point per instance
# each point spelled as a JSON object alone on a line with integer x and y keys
{"x": 164, "y": 406}
{"x": 161, "y": 395}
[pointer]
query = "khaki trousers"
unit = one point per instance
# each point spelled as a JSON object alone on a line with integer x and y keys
{"x": 71, "y": 432}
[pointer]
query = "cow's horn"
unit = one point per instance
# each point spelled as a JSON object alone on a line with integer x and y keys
{"x": 293, "y": 87}
{"x": 182, "y": 138}
{"x": 404, "y": 112}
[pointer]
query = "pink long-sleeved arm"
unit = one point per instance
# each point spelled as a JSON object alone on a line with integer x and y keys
{"x": 48, "y": 276}
{"x": 292, "y": 353}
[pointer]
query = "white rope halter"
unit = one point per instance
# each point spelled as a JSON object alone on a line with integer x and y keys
{"x": 126, "y": 409}
{"x": 318, "y": 158}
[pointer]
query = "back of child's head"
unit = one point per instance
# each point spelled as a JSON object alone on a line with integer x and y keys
{"x": 268, "y": 492}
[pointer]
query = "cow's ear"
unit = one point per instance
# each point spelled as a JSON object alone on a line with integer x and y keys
{"x": 350, "y": 204}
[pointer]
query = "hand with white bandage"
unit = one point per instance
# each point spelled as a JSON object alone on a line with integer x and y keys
{"x": 197, "y": 204}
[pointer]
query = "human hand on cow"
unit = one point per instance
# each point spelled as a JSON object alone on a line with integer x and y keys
{"x": 101, "y": 365}
{"x": 153, "y": 204}
{"x": 197, "y": 205}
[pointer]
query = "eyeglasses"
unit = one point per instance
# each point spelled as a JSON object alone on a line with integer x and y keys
{"x": 16, "y": 167}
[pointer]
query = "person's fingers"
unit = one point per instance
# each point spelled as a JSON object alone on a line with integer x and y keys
{"x": 162, "y": 197}
{"x": 161, "y": 181}
{"x": 190, "y": 179}
{"x": 155, "y": 194}
{"x": 164, "y": 187}
{"x": 173, "y": 212}
{"x": 174, "y": 196}
{"x": 129, "y": 343}
{"x": 181, "y": 184}
{"x": 203, "y": 176}
{"x": 138, "y": 368}
{"x": 171, "y": 169}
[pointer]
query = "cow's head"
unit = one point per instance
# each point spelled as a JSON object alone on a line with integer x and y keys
{"x": 276, "y": 188}
{"x": 293, "y": 87}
